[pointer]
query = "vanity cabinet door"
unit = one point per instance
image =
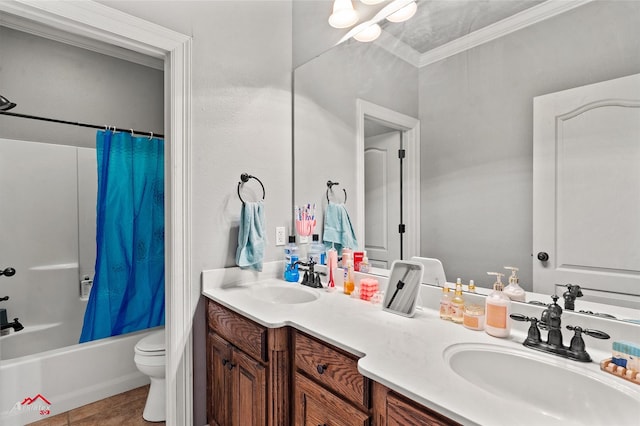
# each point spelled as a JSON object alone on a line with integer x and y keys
{"x": 248, "y": 390}
{"x": 390, "y": 409}
{"x": 219, "y": 353}
{"x": 316, "y": 406}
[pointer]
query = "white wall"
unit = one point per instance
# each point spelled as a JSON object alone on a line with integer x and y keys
{"x": 56, "y": 80}
{"x": 476, "y": 112}
{"x": 43, "y": 194}
{"x": 241, "y": 122}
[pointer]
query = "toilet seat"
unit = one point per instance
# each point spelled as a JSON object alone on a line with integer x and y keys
{"x": 151, "y": 345}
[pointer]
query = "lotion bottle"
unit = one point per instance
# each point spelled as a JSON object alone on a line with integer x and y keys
{"x": 497, "y": 310}
{"x": 513, "y": 290}
{"x": 457, "y": 304}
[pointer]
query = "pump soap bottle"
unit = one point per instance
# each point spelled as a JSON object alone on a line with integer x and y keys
{"x": 457, "y": 304}
{"x": 497, "y": 310}
{"x": 513, "y": 290}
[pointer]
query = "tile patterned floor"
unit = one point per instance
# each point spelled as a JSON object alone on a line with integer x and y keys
{"x": 124, "y": 409}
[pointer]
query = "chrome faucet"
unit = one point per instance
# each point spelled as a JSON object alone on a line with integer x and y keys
{"x": 551, "y": 321}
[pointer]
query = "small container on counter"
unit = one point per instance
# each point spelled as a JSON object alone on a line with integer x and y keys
{"x": 368, "y": 287}
{"x": 473, "y": 317}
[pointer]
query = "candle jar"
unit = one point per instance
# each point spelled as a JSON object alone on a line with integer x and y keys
{"x": 473, "y": 317}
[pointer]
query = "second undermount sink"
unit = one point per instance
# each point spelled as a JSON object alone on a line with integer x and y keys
{"x": 562, "y": 392}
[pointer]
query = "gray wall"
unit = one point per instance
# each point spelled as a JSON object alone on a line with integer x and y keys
{"x": 476, "y": 114}
{"x": 56, "y": 80}
{"x": 241, "y": 122}
{"x": 326, "y": 89}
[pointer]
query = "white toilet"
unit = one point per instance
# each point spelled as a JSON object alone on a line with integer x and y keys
{"x": 150, "y": 360}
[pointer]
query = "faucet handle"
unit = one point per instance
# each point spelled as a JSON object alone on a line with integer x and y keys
{"x": 592, "y": 333}
{"x": 533, "y": 335}
{"x": 8, "y": 272}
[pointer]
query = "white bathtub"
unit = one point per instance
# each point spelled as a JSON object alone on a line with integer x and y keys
{"x": 59, "y": 380}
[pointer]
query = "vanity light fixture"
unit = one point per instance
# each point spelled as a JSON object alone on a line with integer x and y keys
{"x": 344, "y": 15}
{"x": 404, "y": 14}
{"x": 369, "y": 33}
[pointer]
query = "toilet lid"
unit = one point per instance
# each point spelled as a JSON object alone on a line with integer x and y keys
{"x": 154, "y": 342}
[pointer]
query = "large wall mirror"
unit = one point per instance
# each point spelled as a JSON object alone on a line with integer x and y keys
{"x": 469, "y": 79}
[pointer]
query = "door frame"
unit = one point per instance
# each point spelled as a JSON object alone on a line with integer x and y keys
{"x": 410, "y": 128}
{"x": 99, "y": 22}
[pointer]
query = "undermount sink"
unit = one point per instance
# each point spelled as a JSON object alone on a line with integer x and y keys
{"x": 283, "y": 294}
{"x": 557, "y": 389}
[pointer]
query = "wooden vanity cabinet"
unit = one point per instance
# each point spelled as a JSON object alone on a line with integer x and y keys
{"x": 251, "y": 368}
{"x": 328, "y": 390}
{"x": 247, "y": 371}
{"x": 390, "y": 409}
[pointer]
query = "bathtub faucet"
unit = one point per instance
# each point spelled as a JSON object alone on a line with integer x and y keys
{"x": 15, "y": 325}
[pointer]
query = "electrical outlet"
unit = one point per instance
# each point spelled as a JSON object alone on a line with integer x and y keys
{"x": 281, "y": 232}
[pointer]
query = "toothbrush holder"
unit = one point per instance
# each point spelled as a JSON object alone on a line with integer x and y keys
{"x": 305, "y": 227}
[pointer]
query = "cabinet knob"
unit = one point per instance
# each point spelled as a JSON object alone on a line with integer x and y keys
{"x": 321, "y": 368}
{"x": 543, "y": 256}
{"x": 230, "y": 366}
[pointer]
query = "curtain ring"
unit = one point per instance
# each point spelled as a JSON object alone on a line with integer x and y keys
{"x": 150, "y": 135}
{"x": 131, "y": 132}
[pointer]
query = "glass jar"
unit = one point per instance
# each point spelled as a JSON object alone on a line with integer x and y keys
{"x": 473, "y": 317}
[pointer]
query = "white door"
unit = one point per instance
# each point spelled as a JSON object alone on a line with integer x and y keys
{"x": 382, "y": 198}
{"x": 586, "y": 191}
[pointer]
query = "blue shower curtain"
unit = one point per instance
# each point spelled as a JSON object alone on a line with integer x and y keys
{"x": 128, "y": 286}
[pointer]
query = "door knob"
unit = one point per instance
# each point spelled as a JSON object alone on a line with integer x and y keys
{"x": 543, "y": 256}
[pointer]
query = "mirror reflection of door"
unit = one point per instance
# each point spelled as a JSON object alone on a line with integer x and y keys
{"x": 383, "y": 193}
{"x": 586, "y": 216}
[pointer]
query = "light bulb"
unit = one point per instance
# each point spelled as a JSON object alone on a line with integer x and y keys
{"x": 371, "y": 2}
{"x": 403, "y": 14}
{"x": 343, "y": 15}
{"x": 368, "y": 34}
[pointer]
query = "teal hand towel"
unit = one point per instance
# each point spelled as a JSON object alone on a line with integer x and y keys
{"x": 338, "y": 231}
{"x": 251, "y": 236}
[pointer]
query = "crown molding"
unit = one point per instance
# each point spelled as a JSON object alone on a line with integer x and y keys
{"x": 31, "y": 27}
{"x": 398, "y": 48}
{"x": 535, "y": 14}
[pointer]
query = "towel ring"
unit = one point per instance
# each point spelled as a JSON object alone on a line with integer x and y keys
{"x": 243, "y": 179}
{"x": 330, "y": 188}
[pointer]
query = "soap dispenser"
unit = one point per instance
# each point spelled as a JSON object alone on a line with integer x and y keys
{"x": 497, "y": 310}
{"x": 457, "y": 304}
{"x": 513, "y": 290}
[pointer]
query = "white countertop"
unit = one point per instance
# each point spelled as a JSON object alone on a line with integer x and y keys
{"x": 406, "y": 354}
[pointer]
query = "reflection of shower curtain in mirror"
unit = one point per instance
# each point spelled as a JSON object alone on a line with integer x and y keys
{"x": 128, "y": 287}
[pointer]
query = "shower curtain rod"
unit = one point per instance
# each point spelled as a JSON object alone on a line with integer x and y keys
{"x": 73, "y": 123}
